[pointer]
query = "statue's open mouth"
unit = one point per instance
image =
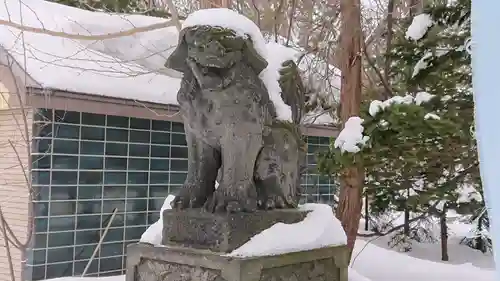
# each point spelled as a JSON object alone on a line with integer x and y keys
{"x": 211, "y": 62}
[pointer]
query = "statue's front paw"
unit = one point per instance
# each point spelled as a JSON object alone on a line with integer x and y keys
{"x": 239, "y": 197}
{"x": 190, "y": 196}
{"x": 272, "y": 202}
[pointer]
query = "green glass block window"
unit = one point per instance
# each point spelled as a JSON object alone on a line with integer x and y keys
{"x": 317, "y": 188}
{"x": 84, "y": 167}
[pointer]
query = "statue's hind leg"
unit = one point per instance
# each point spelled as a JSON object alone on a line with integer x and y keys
{"x": 277, "y": 172}
{"x": 203, "y": 164}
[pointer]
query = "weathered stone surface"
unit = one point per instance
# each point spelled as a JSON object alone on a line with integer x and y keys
{"x": 231, "y": 125}
{"x": 220, "y": 232}
{"x": 149, "y": 263}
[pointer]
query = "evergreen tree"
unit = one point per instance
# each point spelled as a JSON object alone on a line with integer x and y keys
{"x": 438, "y": 62}
{"x": 418, "y": 166}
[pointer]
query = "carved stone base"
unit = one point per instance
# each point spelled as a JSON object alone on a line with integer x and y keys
{"x": 160, "y": 263}
{"x": 220, "y": 232}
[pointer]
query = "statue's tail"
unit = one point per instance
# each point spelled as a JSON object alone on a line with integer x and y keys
{"x": 292, "y": 90}
{"x": 293, "y": 93}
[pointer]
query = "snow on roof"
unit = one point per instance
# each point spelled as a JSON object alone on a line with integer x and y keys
{"x": 124, "y": 67}
{"x": 129, "y": 67}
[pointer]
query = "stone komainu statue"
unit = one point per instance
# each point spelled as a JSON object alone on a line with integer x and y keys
{"x": 231, "y": 125}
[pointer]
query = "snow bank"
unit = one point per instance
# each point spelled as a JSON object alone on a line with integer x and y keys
{"x": 319, "y": 229}
{"x": 153, "y": 234}
{"x": 243, "y": 26}
{"x": 354, "y": 276}
{"x": 394, "y": 266}
{"x": 351, "y": 138}
{"x": 419, "y": 27}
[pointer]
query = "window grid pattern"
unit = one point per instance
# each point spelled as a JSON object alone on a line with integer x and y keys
{"x": 86, "y": 165}
{"x": 317, "y": 188}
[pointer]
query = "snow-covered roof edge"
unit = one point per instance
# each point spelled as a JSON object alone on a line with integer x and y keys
{"x": 23, "y": 78}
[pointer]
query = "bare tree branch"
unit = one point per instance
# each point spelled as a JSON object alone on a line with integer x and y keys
{"x": 7, "y": 247}
{"x": 112, "y": 35}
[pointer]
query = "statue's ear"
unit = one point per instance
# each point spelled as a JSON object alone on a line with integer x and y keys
{"x": 177, "y": 60}
{"x": 256, "y": 61}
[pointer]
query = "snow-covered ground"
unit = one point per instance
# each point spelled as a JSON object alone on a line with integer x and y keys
{"x": 377, "y": 263}
{"x": 373, "y": 260}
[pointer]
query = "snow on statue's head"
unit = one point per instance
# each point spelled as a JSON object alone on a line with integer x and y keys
{"x": 213, "y": 44}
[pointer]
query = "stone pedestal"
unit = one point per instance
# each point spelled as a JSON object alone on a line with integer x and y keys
{"x": 168, "y": 263}
{"x": 220, "y": 232}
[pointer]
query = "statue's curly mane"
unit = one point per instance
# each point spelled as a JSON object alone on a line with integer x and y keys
{"x": 228, "y": 41}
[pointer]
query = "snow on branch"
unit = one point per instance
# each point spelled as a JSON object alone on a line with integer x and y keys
{"x": 351, "y": 138}
{"x": 419, "y": 27}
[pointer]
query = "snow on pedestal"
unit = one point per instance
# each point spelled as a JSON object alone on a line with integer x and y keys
{"x": 311, "y": 249}
{"x": 153, "y": 234}
{"x": 319, "y": 229}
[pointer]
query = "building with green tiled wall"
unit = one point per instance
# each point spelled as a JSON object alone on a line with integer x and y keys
{"x": 85, "y": 165}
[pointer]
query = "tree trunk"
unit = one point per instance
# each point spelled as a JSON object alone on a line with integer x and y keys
{"x": 444, "y": 235}
{"x": 367, "y": 215}
{"x": 406, "y": 223}
{"x": 207, "y": 4}
{"x": 415, "y": 7}
{"x": 349, "y": 208}
{"x": 479, "y": 239}
{"x": 388, "y": 44}
{"x": 352, "y": 178}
